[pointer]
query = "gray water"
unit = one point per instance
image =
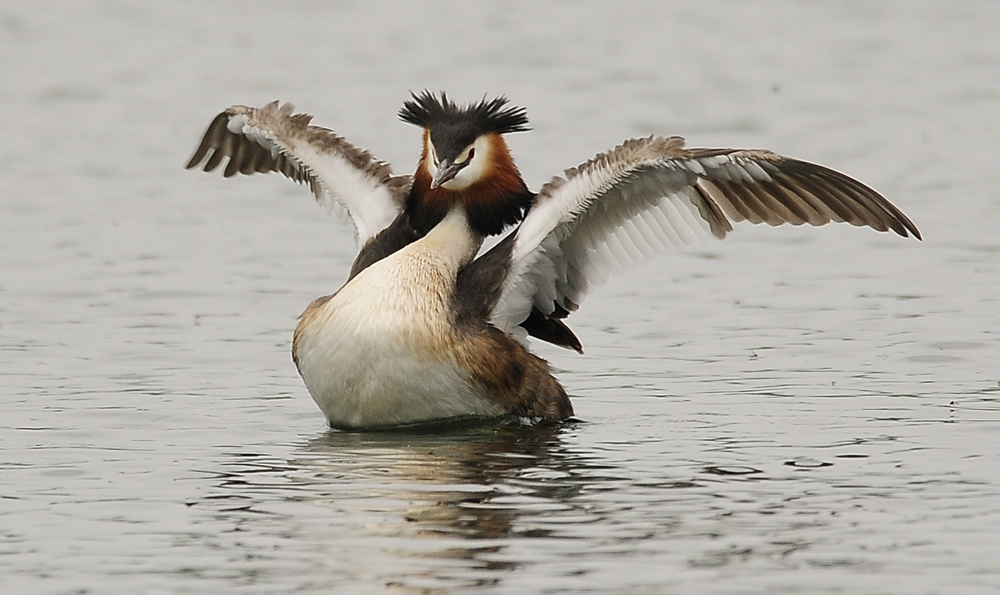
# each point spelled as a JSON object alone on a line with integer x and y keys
{"x": 789, "y": 411}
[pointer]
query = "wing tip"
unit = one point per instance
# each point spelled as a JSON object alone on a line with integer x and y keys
{"x": 195, "y": 160}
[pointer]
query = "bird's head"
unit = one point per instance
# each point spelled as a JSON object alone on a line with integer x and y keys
{"x": 465, "y": 160}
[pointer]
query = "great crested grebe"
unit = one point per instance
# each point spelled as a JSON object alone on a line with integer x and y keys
{"x": 425, "y": 331}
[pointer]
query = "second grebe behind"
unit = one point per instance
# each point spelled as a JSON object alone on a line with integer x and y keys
{"x": 423, "y": 330}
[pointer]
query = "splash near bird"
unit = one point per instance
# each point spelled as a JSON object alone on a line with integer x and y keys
{"x": 423, "y": 330}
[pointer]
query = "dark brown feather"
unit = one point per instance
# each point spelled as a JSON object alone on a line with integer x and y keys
{"x": 798, "y": 192}
{"x": 552, "y": 330}
{"x": 479, "y": 285}
{"x": 398, "y": 235}
{"x": 516, "y": 378}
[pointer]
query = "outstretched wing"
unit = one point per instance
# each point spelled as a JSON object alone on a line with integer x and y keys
{"x": 272, "y": 138}
{"x": 653, "y": 194}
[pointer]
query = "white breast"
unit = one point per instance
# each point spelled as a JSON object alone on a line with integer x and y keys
{"x": 379, "y": 352}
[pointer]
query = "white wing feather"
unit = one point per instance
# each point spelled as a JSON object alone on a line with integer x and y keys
{"x": 653, "y": 195}
{"x": 341, "y": 176}
{"x": 601, "y": 218}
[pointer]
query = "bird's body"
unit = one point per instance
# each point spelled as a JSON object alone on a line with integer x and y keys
{"x": 423, "y": 330}
{"x": 381, "y": 350}
{"x": 388, "y": 350}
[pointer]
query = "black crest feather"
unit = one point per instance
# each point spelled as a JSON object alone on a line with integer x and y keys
{"x": 493, "y": 115}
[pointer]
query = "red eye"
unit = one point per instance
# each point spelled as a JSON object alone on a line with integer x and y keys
{"x": 472, "y": 153}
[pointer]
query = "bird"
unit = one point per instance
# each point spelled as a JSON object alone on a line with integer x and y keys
{"x": 430, "y": 327}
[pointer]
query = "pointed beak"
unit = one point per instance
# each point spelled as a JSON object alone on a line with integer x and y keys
{"x": 446, "y": 171}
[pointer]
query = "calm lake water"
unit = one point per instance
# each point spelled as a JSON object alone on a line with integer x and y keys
{"x": 788, "y": 411}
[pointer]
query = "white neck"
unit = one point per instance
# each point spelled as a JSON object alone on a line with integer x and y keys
{"x": 452, "y": 240}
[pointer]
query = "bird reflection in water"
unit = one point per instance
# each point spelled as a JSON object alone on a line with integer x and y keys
{"x": 468, "y": 489}
{"x": 457, "y": 478}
